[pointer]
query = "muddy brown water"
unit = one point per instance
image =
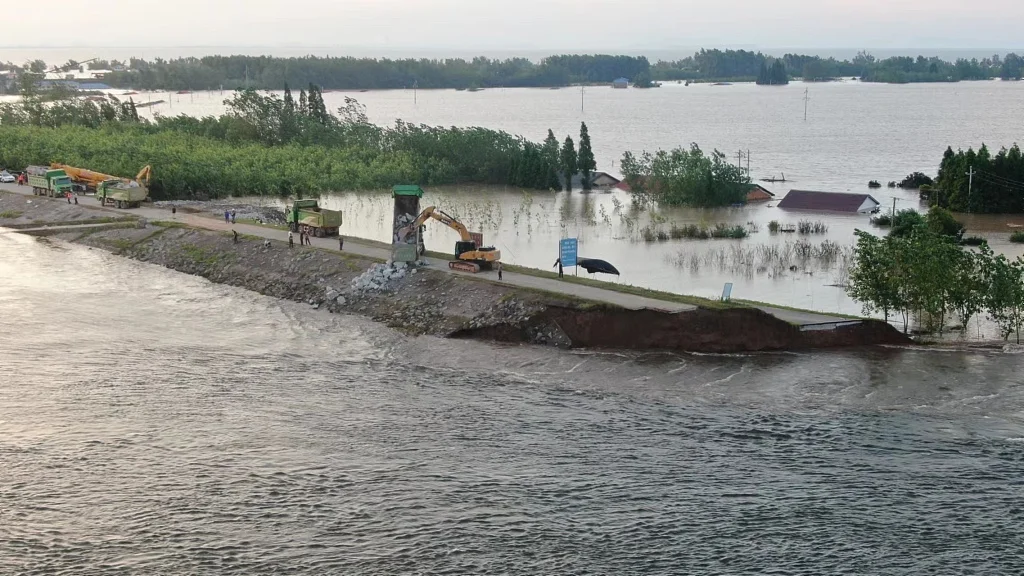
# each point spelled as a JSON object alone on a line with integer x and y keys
{"x": 153, "y": 422}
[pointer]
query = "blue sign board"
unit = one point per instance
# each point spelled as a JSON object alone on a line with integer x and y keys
{"x": 727, "y": 292}
{"x": 567, "y": 251}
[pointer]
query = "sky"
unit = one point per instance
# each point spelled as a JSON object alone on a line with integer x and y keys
{"x": 529, "y": 25}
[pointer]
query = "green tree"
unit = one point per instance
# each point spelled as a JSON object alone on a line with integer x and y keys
{"x": 763, "y": 76}
{"x": 684, "y": 177}
{"x": 569, "y": 162}
{"x": 815, "y": 71}
{"x": 968, "y": 290}
{"x": 1005, "y": 301}
{"x": 585, "y": 160}
{"x": 643, "y": 80}
{"x": 939, "y": 221}
{"x": 872, "y": 281}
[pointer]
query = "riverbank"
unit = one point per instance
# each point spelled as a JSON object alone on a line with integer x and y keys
{"x": 429, "y": 299}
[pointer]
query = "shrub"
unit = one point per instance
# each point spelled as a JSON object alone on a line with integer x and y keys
{"x": 973, "y": 241}
{"x": 1017, "y": 236}
{"x": 726, "y": 231}
{"x": 808, "y": 227}
{"x": 874, "y": 184}
{"x": 773, "y": 226}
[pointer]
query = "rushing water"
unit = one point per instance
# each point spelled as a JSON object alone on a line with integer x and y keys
{"x": 154, "y": 423}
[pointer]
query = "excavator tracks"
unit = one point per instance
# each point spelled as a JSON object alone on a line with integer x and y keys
{"x": 464, "y": 266}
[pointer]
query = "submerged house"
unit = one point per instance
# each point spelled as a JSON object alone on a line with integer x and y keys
{"x": 829, "y": 202}
{"x": 620, "y": 83}
{"x": 598, "y": 180}
{"x": 759, "y": 193}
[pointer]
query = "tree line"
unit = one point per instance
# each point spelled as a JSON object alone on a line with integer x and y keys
{"x": 923, "y": 271}
{"x": 997, "y": 184}
{"x": 745, "y": 65}
{"x": 266, "y": 144}
{"x": 349, "y": 73}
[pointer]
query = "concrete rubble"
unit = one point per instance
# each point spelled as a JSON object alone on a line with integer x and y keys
{"x": 379, "y": 276}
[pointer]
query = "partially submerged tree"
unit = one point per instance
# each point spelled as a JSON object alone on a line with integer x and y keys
{"x": 586, "y": 161}
{"x": 684, "y": 177}
{"x": 569, "y": 162}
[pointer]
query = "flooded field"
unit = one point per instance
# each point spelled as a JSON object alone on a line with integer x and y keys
{"x": 791, "y": 269}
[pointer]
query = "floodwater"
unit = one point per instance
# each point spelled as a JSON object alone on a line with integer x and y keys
{"x": 154, "y": 423}
{"x": 526, "y": 226}
{"x": 854, "y": 132}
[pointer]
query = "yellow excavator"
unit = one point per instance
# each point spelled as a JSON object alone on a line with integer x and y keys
{"x": 92, "y": 180}
{"x": 469, "y": 257}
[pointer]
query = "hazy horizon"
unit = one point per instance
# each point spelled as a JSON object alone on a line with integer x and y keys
{"x": 551, "y": 25}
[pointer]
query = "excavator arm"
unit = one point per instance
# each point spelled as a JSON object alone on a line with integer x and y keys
{"x": 436, "y": 214}
{"x": 144, "y": 175}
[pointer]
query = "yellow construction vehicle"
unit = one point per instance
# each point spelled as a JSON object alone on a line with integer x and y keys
{"x": 469, "y": 256}
{"x": 91, "y": 180}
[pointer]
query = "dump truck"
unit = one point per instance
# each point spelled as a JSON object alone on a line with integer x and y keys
{"x": 307, "y": 216}
{"x": 48, "y": 182}
{"x": 405, "y": 247}
{"x": 116, "y": 193}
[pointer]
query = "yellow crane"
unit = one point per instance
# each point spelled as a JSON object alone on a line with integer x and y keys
{"x": 469, "y": 256}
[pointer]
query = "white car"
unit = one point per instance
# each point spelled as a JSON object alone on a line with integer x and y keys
{"x": 6, "y": 177}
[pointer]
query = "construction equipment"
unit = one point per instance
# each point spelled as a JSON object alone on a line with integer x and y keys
{"x": 307, "y": 216}
{"x": 469, "y": 255}
{"x": 91, "y": 180}
{"x": 115, "y": 192}
{"x": 47, "y": 182}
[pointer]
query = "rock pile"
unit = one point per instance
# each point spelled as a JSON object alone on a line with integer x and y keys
{"x": 379, "y": 276}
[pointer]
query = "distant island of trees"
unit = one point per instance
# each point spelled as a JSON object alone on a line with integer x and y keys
{"x": 348, "y": 73}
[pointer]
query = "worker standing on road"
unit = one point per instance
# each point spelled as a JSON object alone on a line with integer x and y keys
{"x": 76, "y": 199}
{"x": 227, "y": 217}
{"x": 559, "y": 264}
{"x": 291, "y": 241}
{"x": 69, "y": 197}
{"x": 341, "y": 242}
{"x": 499, "y": 271}
{"x": 174, "y": 209}
{"x": 232, "y": 216}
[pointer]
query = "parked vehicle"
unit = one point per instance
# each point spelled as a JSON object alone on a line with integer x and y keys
{"x": 307, "y": 216}
{"x": 47, "y": 182}
{"x": 115, "y": 192}
{"x": 6, "y": 177}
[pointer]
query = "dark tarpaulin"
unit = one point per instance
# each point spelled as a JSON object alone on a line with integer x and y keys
{"x": 593, "y": 265}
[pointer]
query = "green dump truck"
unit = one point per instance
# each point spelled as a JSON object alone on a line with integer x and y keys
{"x": 121, "y": 195}
{"x": 307, "y": 216}
{"x": 47, "y": 182}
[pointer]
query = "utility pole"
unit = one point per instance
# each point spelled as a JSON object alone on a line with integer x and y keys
{"x": 970, "y": 184}
{"x": 894, "y": 207}
{"x": 581, "y": 98}
{"x": 748, "y": 162}
{"x": 739, "y": 159}
{"x": 806, "y": 98}
{"x": 415, "y": 85}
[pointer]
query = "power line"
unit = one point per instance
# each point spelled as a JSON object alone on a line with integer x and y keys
{"x": 1003, "y": 178}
